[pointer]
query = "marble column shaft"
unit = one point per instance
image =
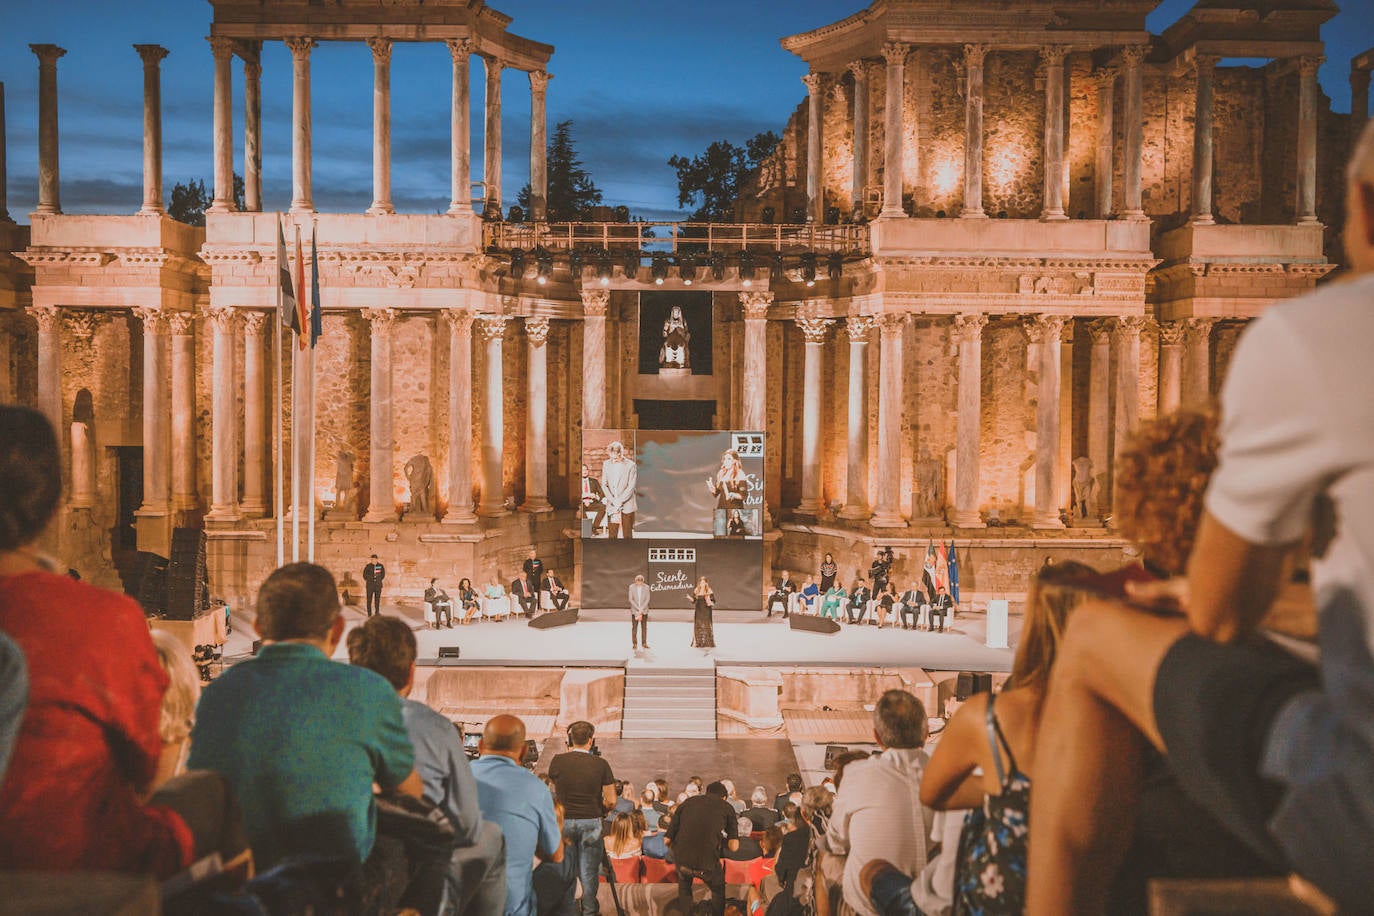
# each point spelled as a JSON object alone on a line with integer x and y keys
{"x": 539, "y": 130}
{"x": 859, "y": 182}
{"x": 1099, "y": 405}
{"x": 255, "y": 413}
{"x": 1127, "y": 412}
{"x": 1133, "y": 57}
{"x": 968, "y": 333}
{"x": 302, "y": 200}
{"x": 381, "y": 502}
{"x": 537, "y": 417}
{"x": 594, "y": 304}
{"x": 1202, "y": 141}
{"x": 1307, "y": 139}
{"x": 460, "y": 153}
{"x": 183, "y": 411}
{"x": 815, "y": 200}
{"x": 251, "y": 51}
{"x": 1053, "y": 58}
{"x": 381, "y": 126}
{"x": 895, "y": 54}
{"x": 973, "y": 131}
{"x": 1197, "y": 368}
{"x": 859, "y": 327}
{"x": 1045, "y": 333}
{"x": 224, "y": 462}
{"x": 223, "y": 50}
{"x": 491, "y": 162}
{"x": 49, "y": 318}
{"x": 887, "y": 511}
{"x": 1106, "y": 140}
{"x": 152, "y": 56}
{"x": 813, "y": 332}
{"x": 1170, "y": 367}
{"x": 493, "y": 502}
{"x": 459, "y": 418}
{"x": 49, "y": 177}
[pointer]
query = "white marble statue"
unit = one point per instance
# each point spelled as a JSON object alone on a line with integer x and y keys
{"x": 676, "y": 337}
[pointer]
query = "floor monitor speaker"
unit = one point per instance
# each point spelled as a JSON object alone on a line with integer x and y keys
{"x": 552, "y": 619}
{"x": 449, "y": 651}
{"x": 813, "y": 624}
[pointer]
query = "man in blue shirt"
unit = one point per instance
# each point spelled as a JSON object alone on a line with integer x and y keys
{"x": 516, "y": 800}
{"x": 302, "y": 738}
{"x": 476, "y": 873}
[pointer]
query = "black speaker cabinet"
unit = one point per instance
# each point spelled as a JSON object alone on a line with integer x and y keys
{"x": 551, "y": 619}
{"x": 813, "y": 624}
{"x": 971, "y": 682}
{"x": 832, "y": 751}
{"x": 449, "y": 651}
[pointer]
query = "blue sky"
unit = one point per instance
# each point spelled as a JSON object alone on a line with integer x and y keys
{"x": 640, "y": 81}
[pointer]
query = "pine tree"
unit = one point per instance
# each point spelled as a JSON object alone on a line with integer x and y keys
{"x": 571, "y": 191}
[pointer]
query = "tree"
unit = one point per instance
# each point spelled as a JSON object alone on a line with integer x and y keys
{"x": 716, "y": 177}
{"x": 571, "y": 191}
{"x": 190, "y": 200}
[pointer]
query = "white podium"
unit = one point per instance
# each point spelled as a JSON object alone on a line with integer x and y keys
{"x": 997, "y": 624}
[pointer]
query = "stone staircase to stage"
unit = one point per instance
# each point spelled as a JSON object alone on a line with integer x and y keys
{"x": 669, "y": 702}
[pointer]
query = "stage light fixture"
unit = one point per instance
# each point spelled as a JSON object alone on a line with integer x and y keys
{"x": 543, "y": 265}
{"x": 687, "y": 270}
{"x": 746, "y": 268}
{"x": 775, "y": 268}
{"x": 836, "y": 265}
{"x": 808, "y": 269}
{"x": 517, "y": 264}
{"x": 603, "y": 270}
{"x": 659, "y": 269}
{"x": 767, "y": 215}
{"x": 630, "y": 264}
{"x": 575, "y": 263}
{"x": 717, "y": 267}
{"x": 516, "y": 215}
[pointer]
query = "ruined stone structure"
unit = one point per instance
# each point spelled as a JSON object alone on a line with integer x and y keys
{"x": 1016, "y": 233}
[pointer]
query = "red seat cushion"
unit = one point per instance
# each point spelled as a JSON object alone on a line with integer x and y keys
{"x": 737, "y": 872}
{"x": 627, "y": 870}
{"x": 657, "y": 871}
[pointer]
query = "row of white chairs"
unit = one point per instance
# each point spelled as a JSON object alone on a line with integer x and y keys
{"x": 489, "y": 608}
{"x": 796, "y": 604}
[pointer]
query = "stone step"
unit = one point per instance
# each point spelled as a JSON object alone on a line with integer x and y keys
{"x": 672, "y": 683}
{"x": 638, "y": 691}
{"x": 651, "y": 732}
{"x": 641, "y": 714}
{"x": 653, "y": 671}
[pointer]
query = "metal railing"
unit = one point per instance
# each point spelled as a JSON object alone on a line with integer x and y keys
{"x": 686, "y": 238}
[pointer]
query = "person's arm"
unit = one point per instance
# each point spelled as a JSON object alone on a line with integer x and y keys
{"x": 949, "y": 780}
{"x": 608, "y": 798}
{"x": 837, "y": 833}
{"x": 1231, "y": 582}
{"x": 549, "y": 847}
{"x": 391, "y": 747}
{"x": 731, "y": 829}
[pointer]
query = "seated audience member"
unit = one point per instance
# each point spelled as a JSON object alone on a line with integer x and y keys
{"x": 88, "y": 743}
{"x": 748, "y": 847}
{"x": 663, "y": 804}
{"x": 178, "y": 705}
{"x": 558, "y": 592}
{"x": 649, "y": 808}
{"x": 859, "y": 596}
{"x": 624, "y": 841}
{"x": 442, "y": 604}
{"x": 758, "y": 812}
{"x": 655, "y": 845}
{"x": 941, "y": 607}
{"x": 790, "y": 813}
{"x": 624, "y": 799}
{"x": 885, "y": 600}
{"x": 521, "y": 805}
{"x": 809, "y": 823}
{"x": 912, "y": 601}
{"x": 780, "y": 599}
{"x": 14, "y": 697}
{"x": 301, "y": 738}
{"x": 467, "y": 599}
{"x": 769, "y": 844}
{"x": 695, "y": 835}
{"x": 735, "y": 801}
{"x": 529, "y": 601}
{"x": 794, "y": 784}
{"x": 808, "y": 597}
{"x": 476, "y": 875}
{"x": 833, "y": 600}
{"x": 984, "y": 756}
{"x": 878, "y": 814}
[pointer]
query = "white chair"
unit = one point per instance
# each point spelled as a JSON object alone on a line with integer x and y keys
{"x": 496, "y": 608}
{"x": 430, "y": 617}
{"x": 546, "y": 600}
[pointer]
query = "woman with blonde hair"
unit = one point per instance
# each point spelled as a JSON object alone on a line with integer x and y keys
{"x": 625, "y": 840}
{"x": 178, "y": 705}
{"x": 703, "y": 599}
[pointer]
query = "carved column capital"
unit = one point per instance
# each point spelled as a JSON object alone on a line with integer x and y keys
{"x": 82, "y": 323}
{"x": 492, "y": 327}
{"x": 595, "y": 302}
{"x": 1205, "y": 63}
{"x": 221, "y": 317}
{"x": 47, "y": 54}
{"x": 1197, "y": 328}
{"x": 858, "y": 69}
{"x": 459, "y": 320}
{"x": 1131, "y": 324}
{"x": 755, "y": 304}
{"x": 1043, "y": 328}
{"x": 460, "y": 49}
{"x": 221, "y": 46}
{"x": 859, "y": 327}
{"x": 1309, "y": 64}
{"x": 1106, "y": 78}
{"x": 1132, "y": 55}
{"x": 299, "y": 46}
{"x": 539, "y": 81}
{"x": 974, "y": 55}
{"x": 969, "y": 328}
{"x": 494, "y": 66}
{"x": 381, "y": 50}
{"x": 537, "y": 331}
{"x": 152, "y": 55}
{"x": 1053, "y": 55}
{"x": 249, "y": 51}
{"x": 813, "y": 81}
{"x": 381, "y": 319}
{"x": 154, "y": 319}
{"x": 181, "y": 322}
{"x": 814, "y": 329}
{"x": 47, "y": 316}
{"x": 894, "y": 52}
{"x": 253, "y": 322}
{"x": 1170, "y": 333}
{"x": 890, "y": 324}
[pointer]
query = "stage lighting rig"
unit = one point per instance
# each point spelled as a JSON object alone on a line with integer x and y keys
{"x": 746, "y": 268}
{"x": 686, "y": 269}
{"x": 517, "y": 264}
{"x": 659, "y": 269}
{"x": 630, "y": 264}
{"x": 808, "y": 268}
{"x": 836, "y": 265}
{"x": 543, "y": 266}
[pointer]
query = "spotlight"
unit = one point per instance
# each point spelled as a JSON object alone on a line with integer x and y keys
{"x": 516, "y": 215}
{"x": 543, "y": 266}
{"x": 687, "y": 270}
{"x": 575, "y": 263}
{"x": 746, "y": 268}
{"x": 832, "y": 215}
{"x": 798, "y": 215}
{"x": 767, "y": 215}
{"x": 517, "y": 264}
{"x": 717, "y": 267}
{"x": 630, "y": 264}
{"x": 836, "y": 265}
{"x": 603, "y": 270}
{"x": 808, "y": 269}
{"x": 775, "y": 273}
{"x": 659, "y": 269}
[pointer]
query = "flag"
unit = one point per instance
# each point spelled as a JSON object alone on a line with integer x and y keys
{"x": 289, "y": 314}
{"x": 953, "y": 574}
{"x": 316, "y": 314}
{"x": 941, "y": 567}
{"x": 302, "y": 317}
{"x": 930, "y": 570}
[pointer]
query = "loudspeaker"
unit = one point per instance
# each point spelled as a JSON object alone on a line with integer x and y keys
{"x": 149, "y": 584}
{"x": 831, "y": 752}
{"x": 813, "y": 624}
{"x": 554, "y": 619}
{"x": 448, "y": 651}
{"x": 971, "y": 682}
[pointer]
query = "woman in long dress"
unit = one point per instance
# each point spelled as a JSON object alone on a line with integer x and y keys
{"x": 703, "y": 636}
{"x": 828, "y": 571}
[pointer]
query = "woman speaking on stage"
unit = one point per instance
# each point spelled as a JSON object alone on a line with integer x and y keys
{"x": 703, "y": 635}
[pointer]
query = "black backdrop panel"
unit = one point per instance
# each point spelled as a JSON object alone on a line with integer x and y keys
{"x": 608, "y": 568}
{"x": 734, "y": 569}
{"x": 654, "y": 309}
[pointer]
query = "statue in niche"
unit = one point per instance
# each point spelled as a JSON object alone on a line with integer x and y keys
{"x": 1084, "y": 488}
{"x": 676, "y": 337}
{"x": 930, "y": 486}
{"x": 344, "y": 490}
{"x": 420, "y": 473}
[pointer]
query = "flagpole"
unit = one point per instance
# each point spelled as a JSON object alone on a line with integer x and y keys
{"x": 279, "y": 492}
{"x": 296, "y": 400}
{"x": 310, "y": 449}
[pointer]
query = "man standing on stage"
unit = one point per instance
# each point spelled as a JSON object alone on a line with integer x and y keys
{"x": 534, "y": 575}
{"x": 618, "y": 480}
{"x": 639, "y": 613}
{"x": 373, "y": 574}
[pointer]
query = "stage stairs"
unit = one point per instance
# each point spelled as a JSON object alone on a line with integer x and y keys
{"x": 669, "y": 702}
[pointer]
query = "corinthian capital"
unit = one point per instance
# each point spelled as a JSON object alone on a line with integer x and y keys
{"x": 152, "y": 55}
{"x": 48, "y": 317}
{"x": 221, "y": 317}
{"x": 1308, "y": 65}
{"x": 180, "y": 322}
{"x": 460, "y": 49}
{"x": 253, "y": 322}
{"x": 491, "y": 327}
{"x": 539, "y": 80}
{"x": 537, "y": 331}
{"x": 812, "y": 81}
{"x": 973, "y": 55}
{"x": 1131, "y": 324}
{"x": 154, "y": 319}
{"x": 381, "y": 319}
{"x": 890, "y": 324}
{"x": 859, "y": 327}
{"x": 969, "y": 328}
{"x": 858, "y": 69}
{"x": 755, "y": 304}
{"x": 220, "y": 46}
{"x": 459, "y": 320}
{"x": 1043, "y": 328}
{"x": 595, "y": 302}
{"x": 47, "y": 54}
{"x": 1053, "y": 55}
{"x": 1132, "y": 55}
{"x": 814, "y": 329}
{"x": 381, "y": 50}
{"x": 894, "y": 52}
{"x": 300, "y": 46}
{"x": 1170, "y": 333}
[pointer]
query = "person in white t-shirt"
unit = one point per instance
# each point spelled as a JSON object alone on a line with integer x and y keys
{"x": 1281, "y": 754}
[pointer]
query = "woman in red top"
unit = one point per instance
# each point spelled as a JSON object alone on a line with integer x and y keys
{"x": 87, "y": 750}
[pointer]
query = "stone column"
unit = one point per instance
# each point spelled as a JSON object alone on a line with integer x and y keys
{"x": 381, "y": 474}
{"x": 223, "y": 50}
{"x": 460, "y": 50}
{"x": 973, "y": 131}
{"x": 1202, "y": 141}
{"x": 1127, "y": 413}
{"x": 302, "y": 200}
{"x": 493, "y": 502}
{"x": 152, "y": 56}
{"x": 887, "y": 513}
{"x": 537, "y": 418}
{"x": 594, "y": 304}
{"x": 4, "y": 192}
{"x": 224, "y": 459}
{"x": 968, "y": 334}
{"x": 754, "y": 389}
{"x": 815, "y": 197}
{"x": 1103, "y": 164}
{"x": 813, "y": 332}
{"x": 255, "y": 415}
{"x": 539, "y": 129}
{"x": 1132, "y": 57}
{"x": 1307, "y": 139}
{"x": 1054, "y": 132}
{"x": 1045, "y": 332}
{"x": 1197, "y": 369}
{"x": 859, "y": 70}
{"x": 1359, "y": 101}
{"x": 895, "y": 54}
{"x": 491, "y": 162}
{"x": 856, "y": 455}
{"x": 183, "y": 411}
{"x": 49, "y": 179}
{"x": 251, "y": 52}
{"x": 1099, "y": 406}
{"x": 49, "y": 362}
{"x": 381, "y": 126}
{"x": 459, "y": 418}
{"x": 1170, "y": 366}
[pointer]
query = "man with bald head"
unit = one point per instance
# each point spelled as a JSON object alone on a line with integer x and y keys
{"x": 516, "y": 800}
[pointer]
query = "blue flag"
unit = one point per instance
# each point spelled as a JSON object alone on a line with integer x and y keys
{"x": 316, "y": 313}
{"x": 953, "y": 574}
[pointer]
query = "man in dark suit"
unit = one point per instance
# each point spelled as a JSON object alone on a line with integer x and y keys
{"x": 534, "y": 574}
{"x": 529, "y": 601}
{"x": 940, "y": 607}
{"x": 373, "y": 575}
{"x": 858, "y": 602}
{"x": 912, "y": 599}
{"x": 593, "y": 500}
{"x": 557, "y": 592}
{"x": 438, "y": 599}
{"x": 781, "y": 597}
{"x": 794, "y": 784}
